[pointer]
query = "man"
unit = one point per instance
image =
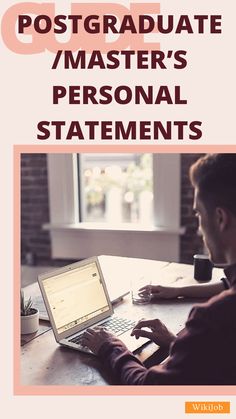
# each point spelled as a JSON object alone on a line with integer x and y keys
{"x": 204, "y": 352}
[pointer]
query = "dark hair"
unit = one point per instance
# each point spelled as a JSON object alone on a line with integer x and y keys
{"x": 214, "y": 175}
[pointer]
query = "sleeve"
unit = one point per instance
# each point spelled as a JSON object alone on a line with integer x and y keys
{"x": 187, "y": 363}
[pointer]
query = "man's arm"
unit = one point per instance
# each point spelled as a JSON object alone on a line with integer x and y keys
{"x": 187, "y": 363}
{"x": 191, "y": 360}
{"x": 201, "y": 290}
{"x": 191, "y": 291}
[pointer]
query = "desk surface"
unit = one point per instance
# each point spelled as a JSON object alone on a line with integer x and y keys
{"x": 44, "y": 362}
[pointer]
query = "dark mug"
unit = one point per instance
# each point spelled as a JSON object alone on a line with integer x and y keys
{"x": 202, "y": 268}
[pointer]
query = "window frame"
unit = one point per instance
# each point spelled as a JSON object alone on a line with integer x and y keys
{"x": 73, "y": 239}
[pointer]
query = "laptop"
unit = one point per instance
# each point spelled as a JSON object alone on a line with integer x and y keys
{"x": 76, "y": 298}
{"x": 117, "y": 289}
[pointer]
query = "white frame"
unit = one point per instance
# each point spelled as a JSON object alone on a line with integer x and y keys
{"x": 74, "y": 240}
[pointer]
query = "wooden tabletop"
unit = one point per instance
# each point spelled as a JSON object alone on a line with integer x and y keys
{"x": 44, "y": 362}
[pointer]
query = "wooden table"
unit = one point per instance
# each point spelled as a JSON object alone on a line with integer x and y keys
{"x": 44, "y": 362}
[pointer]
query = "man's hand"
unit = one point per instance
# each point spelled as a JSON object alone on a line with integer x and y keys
{"x": 158, "y": 332}
{"x": 94, "y": 338}
{"x": 158, "y": 291}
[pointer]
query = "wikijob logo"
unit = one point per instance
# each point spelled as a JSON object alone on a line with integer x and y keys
{"x": 207, "y": 407}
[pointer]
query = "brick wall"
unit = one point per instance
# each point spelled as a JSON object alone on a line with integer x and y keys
{"x": 191, "y": 242}
{"x": 35, "y": 243}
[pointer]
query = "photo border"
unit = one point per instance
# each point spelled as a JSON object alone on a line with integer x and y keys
{"x": 120, "y": 390}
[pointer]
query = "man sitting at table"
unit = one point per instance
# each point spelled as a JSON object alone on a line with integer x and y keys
{"x": 204, "y": 352}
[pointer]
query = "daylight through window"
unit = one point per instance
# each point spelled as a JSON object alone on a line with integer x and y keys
{"x": 116, "y": 188}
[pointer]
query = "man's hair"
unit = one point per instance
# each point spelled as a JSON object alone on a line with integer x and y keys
{"x": 214, "y": 175}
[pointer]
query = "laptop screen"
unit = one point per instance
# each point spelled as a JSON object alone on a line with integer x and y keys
{"x": 75, "y": 296}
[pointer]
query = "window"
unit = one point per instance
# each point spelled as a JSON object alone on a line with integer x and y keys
{"x": 116, "y": 188}
{"x": 73, "y": 237}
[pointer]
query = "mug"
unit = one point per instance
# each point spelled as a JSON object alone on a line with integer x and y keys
{"x": 202, "y": 268}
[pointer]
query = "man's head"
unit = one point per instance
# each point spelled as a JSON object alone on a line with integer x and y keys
{"x": 214, "y": 180}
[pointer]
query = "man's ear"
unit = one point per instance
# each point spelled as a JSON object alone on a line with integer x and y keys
{"x": 222, "y": 218}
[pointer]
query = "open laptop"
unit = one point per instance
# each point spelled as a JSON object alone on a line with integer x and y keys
{"x": 117, "y": 288}
{"x": 76, "y": 298}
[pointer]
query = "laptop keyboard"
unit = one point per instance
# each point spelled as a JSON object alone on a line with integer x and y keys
{"x": 118, "y": 326}
{"x": 115, "y": 325}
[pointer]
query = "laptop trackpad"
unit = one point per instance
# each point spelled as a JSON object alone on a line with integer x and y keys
{"x": 131, "y": 342}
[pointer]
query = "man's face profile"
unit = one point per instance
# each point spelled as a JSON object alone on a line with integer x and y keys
{"x": 209, "y": 230}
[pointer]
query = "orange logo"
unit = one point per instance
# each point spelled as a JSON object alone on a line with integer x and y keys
{"x": 207, "y": 407}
